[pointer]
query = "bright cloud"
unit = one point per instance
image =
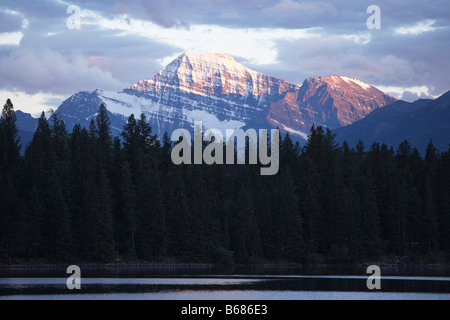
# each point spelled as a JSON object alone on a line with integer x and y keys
{"x": 10, "y": 38}
{"x": 417, "y": 29}
{"x": 32, "y": 103}
{"x": 257, "y": 45}
{"x": 405, "y": 92}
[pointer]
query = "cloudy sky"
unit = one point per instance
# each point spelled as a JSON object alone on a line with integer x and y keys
{"x": 43, "y": 61}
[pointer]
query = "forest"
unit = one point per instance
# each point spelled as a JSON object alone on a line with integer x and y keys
{"x": 88, "y": 197}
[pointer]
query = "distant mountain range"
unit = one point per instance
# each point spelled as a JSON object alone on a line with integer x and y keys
{"x": 224, "y": 94}
{"x": 417, "y": 122}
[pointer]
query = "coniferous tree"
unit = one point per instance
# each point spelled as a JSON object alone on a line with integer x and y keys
{"x": 245, "y": 234}
{"x": 345, "y": 218}
{"x": 128, "y": 215}
{"x": 320, "y": 152}
{"x": 85, "y": 196}
{"x": 288, "y": 221}
{"x": 42, "y": 166}
{"x": 408, "y": 204}
{"x": 103, "y": 136}
{"x": 444, "y": 203}
{"x": 179, "y": 217}
{"x": 381, "y": 161}
{"x": 11, "y": 214}
{"x": 102, "y": 144}
{"x": 139, "y": 146}
{"x": 370, "y": 222}
{"x": 431, "y": 220}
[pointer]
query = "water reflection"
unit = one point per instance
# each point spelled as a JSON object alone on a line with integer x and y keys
{"x": 243, "y": 284}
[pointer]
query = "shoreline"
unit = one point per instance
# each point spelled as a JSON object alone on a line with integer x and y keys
{"x": 149, "y": 265}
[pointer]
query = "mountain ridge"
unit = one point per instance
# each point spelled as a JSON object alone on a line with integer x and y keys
{"x": 417, "y": 122}
{"x": 225, "y": 94}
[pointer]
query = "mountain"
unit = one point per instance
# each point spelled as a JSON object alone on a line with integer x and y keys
{"x": 83, "y": 106}
{"x": 416, "y": 122}
{"x": 26, "y": 125}
{"x": 224, "y": 94}
{"x": 332, "y": 101}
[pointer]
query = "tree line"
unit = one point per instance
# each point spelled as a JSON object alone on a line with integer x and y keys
{"x": 86, "y": 196}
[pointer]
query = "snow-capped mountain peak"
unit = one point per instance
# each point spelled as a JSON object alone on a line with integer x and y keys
{"x": 224, "y": 94}
{"x": 340, "y": 81}
{"x": 350, "y": 80}
{"x": 205, "y": 74}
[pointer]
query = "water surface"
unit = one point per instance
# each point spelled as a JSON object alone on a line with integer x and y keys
{"x": 258, "y": 284}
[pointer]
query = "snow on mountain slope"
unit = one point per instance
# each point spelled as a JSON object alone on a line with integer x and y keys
{"x": 359, "y": 83}
{"x": 224, "y": 94}
{"x": 206, "y": 74}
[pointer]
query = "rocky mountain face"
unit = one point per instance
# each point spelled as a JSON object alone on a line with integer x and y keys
{"x": 217, "y": 85}
{"x": 210, "y": 87}
{"x": 333, "y": 101}
{"x": 224, "y": 94}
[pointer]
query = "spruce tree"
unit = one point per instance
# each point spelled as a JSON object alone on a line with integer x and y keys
{"x": 245, "y": 234}
{"x": 431, "y": 207}
{"x": 44, "y": 176}
{"x": 288, "y": 221}
{"x": 127, "y": 221}
{"x": 370, "y": 222}
{"x": 12, "y": 218}
{"x": 102, "y": 148}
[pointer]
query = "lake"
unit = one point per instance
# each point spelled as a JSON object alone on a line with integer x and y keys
{"x": 258, "y": 284}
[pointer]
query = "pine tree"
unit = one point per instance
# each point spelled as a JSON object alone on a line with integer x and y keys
{"x": 431, "y": 164}
{"x": 128, "y": 215}
{"x": 289, "y": 152}
{"x": 179, "y": 217}
{"x": 319, "y": 158}
{"x": 35, "y": 215}
{"x": 444, "y": 203}
{"x": 81, "y": 182}
{"x": 345, "y": 218}
{"x": 288, "y": 221}
{"x": 103, "y": 136}
{"x": 60, "y": 137}
{"x": 44, "y": 176}
{"x": 102, "y": 148}
{"x": 11, "y": 214}
{"x": 142, "y": 155}
{"x": 166, "y": 150}
{"x": 370, "y": 224}
{"x": 245, "y": 234}
{"x": 408, "y": 202}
